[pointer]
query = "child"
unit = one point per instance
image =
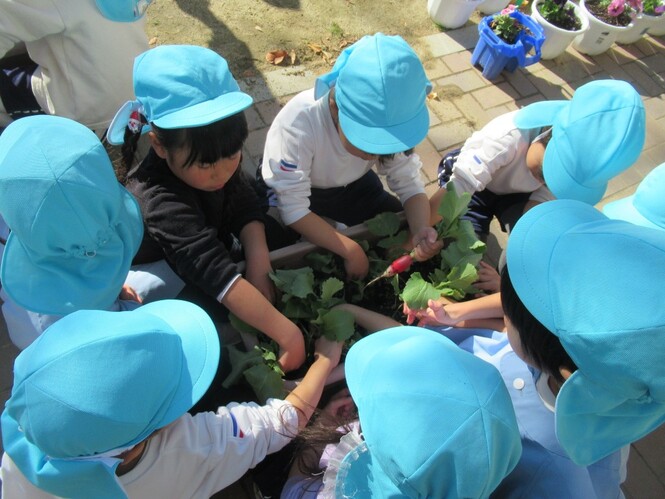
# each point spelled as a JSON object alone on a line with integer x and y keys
{"x": 434, "y": 422}
{"x": 80, "y": 53}
{"x": 368, "y": 111}
{"x": 74, "y": 228}
{"x": 64, "y": 436}
{"x": 564, "y": 149}
{"x": 647, "y": 206}
{"x": 195, "y": 202}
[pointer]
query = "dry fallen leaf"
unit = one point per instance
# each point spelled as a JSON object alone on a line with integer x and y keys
{"x": 292, "y": 57}
{"x": 432, "y": 96}
{"x": 152, "y": 41}
{"x": 316, "y": 48}
{"x": 258, "y": 28}
{"x": 276, "y": 56}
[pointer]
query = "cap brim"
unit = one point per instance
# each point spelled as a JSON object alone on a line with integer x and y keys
{"x": 361, "y": 476}
{"x": 386, "y": 140}
{"x": 539, "y": 114}
{"x": 56, "y": 289}
{"x": 206, "y": 112}
{"x": 531, "y": 244}
{"x": 624, "y": 209}
{"x": 592, "y": 422}
{"x": 200, "y": 346}
{"x": 115, "y": 134}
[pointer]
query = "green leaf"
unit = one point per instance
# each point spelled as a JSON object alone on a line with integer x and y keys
{"x": 417, "y": 292}
{"x": 296, "y": 282}
{"x": 384, "y": 224}
{"x": 265, "y": 382}
{"x": 336, "y": 325}
{"x": 322, "y": 262}
{"x": 295, "y": 308}
{"x": 241, "y": 326}
{"x": 462, "y": 277}
{"x": 397, "y": 240}
{"x": 329, "y": 287}
{"x": 239, "y": 362}
{"x": 452, "y": 207}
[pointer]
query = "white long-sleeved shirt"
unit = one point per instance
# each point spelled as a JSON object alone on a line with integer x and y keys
{"x": 193, "y": 457}
{"x": 303, "y": 151}
{"x": 85, "y": 60}
{"x": 494, "y": 158}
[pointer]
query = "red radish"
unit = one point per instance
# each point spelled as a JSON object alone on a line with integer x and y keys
{"x": 400, "y": 265}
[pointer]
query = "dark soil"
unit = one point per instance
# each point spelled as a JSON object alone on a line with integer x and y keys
{"x": 600, "y": 12}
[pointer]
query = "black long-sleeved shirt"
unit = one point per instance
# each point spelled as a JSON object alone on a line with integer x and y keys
{"x": 192, "y": 229}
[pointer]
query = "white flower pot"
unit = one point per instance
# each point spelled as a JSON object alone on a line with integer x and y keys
{"x": 557, "y": 39}
{"x": 641, "y": 25}
{"x": 493, "y": 6}
{"x": 599, "y": 37}
{"x": 658, "y": 29}
{"x": 451, "y": 14}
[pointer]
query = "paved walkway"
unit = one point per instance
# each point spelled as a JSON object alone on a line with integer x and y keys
{"x": 466, "y": 102}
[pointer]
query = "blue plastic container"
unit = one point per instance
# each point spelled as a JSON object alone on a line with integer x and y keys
{"x": 494, "y": 55}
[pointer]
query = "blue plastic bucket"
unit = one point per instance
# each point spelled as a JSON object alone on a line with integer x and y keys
{"x": 493, "y": 54}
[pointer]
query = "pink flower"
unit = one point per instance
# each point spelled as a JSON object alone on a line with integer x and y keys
{"x": 508, "y": 10}
{"x": 616, "y": 8}
{"x": 660, "y": 9}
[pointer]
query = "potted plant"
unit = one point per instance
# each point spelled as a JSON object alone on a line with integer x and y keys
{"x": 607, "y": 18}
{"x": 649, "y": 20}
{"x": 562, "y": 21}
{"x": 507, "y": 40}
{"x": 451, "y": 14}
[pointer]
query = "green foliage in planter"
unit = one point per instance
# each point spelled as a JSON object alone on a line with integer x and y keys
{"x": 309, "y": 294}
{"x": 460, "y": 257}
{"x": 653, "y": 7}
{"x": 560, "y": 14}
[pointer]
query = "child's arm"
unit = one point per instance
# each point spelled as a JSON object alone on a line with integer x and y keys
{"x": 417, "y": 210}
{"x": 317, "y": 231}
{"x": 444, "y": 312}
{"x": 257, "y": 258}
{"x": 250, "y": 306}
{"x": 307, "y": 394}
{"x": 367, "y": 319}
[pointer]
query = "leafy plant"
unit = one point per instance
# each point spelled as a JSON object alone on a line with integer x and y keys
{"x": 560, "y": 13}
{"x": 459, "y": 259}
{"x": 309, "y": 294}
{"x": 653, "y": 7}
{"x": 507, "y": 27}
{"x": 615, "y": 12}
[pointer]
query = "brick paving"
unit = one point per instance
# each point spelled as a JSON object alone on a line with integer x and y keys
{"x": 466, "y": 102}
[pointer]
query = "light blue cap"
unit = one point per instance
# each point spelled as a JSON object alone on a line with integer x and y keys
{"x": 597, "y": 284}
{"x": 647, "y": 206}
{"x": 180, "y": 86}
{"x": 96, "y": 382}
{"x": 595, "y": 136}
{"x": 123, "y": 11}
{"x": 437, "y": 421}
{"x": 74, "y": 228}
{"x": 381, "y": 92}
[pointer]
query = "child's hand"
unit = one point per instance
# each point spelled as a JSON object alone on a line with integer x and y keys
{"x": 488, "y": 278}
{"x": 328, "y": 349}
{"x": 412, "y": 314}
{"x": 436, "y": 314}
{"x": 292, "y": 350}
{"x": 426, "y": 244}
{"x": 356, "y": 263}
{"x": 130, "y": 294}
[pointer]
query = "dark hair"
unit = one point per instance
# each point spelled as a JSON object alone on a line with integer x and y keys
{"x": 207, "y": 144}
{"x": 538, "y": 343}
